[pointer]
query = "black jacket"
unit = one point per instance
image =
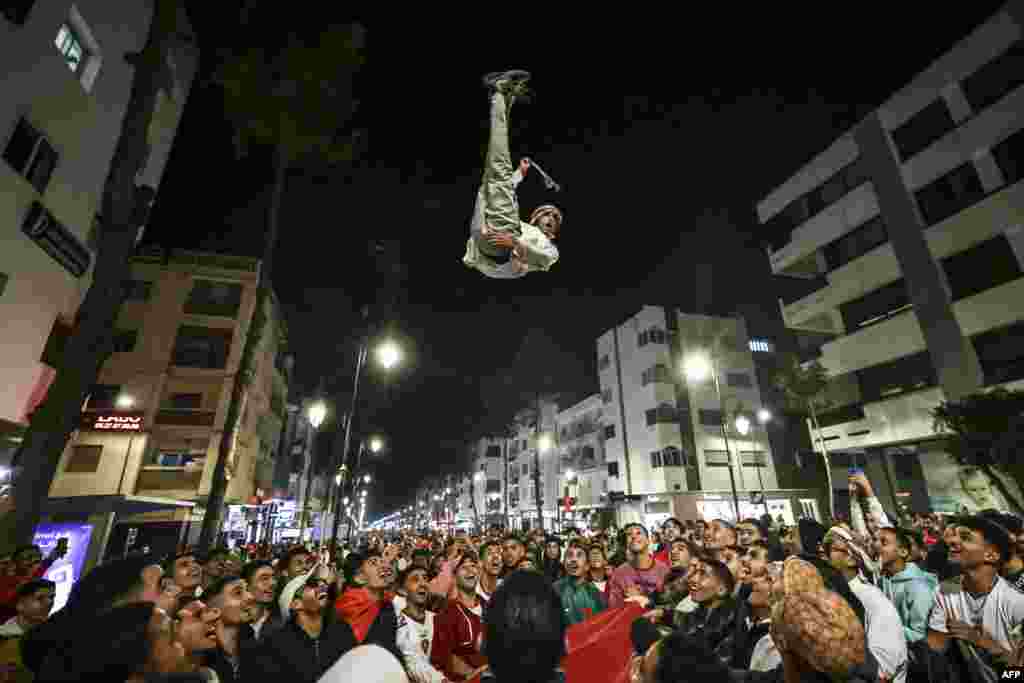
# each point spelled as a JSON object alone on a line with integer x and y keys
{"x": 384, "y": 630}
{"x": 289, "y": 653}
{"x": 717, "y": 627}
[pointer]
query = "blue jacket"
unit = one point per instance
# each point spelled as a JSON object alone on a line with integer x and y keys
{"x": 913, "y": 593}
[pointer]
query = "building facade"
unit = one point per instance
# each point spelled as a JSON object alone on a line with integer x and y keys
{"x": 910, "y": 227}
{"x": 65, "y": 89}
{"x": 180, "y": 337}
{"x": 582, "y": 469}
{"x": 665, "y": 451}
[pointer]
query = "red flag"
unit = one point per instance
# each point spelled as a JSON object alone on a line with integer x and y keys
{"x": 599, "y": 649}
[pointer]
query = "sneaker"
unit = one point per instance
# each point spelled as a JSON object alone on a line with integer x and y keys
{"x": 511, "y": 82}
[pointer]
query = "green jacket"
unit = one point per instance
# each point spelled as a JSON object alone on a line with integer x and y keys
{"x": 579, "y": 601}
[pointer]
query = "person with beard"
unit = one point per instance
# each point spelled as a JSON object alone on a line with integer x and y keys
{"x": 580, "y": 598}
{"x": 671, "y": 531}
{"x": 416, "y": 628}
{"x": 492, "y": 562}
{"x": 366, "y": 605}
{"x": 308, "y": 644}
{"x": 458, "y": 629}
{"x": 553, "y": 569}
{"x": 640, "y": 577}
{"x": 230, "y": 595}
{"x": 195, "y": 629}
{"x": 262, "y": 581}
{"x": 513, "y": 550}
{"x": 711, "y": 587}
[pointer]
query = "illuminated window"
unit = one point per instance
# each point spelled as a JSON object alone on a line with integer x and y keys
{"x": 70, "y": 47}
{"x": 761, "y": 346}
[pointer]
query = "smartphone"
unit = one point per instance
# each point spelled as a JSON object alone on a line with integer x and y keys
{"x": 854, "y": 471}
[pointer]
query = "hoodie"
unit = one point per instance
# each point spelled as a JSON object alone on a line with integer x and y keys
{"x": 912, "y": 591}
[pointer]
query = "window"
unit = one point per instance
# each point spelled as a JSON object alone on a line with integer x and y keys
{"x": 754, "y": 458}
{"x": 125, "y": 340}
{"x": 604, "y": 363}
{"x": 56, "y": 240}
{"x": 104, "y": 396}
{"x": 716, "y": 458}
{"x": 856, "y": 243}
{"x": 900, "y": 376}
{"x": 1001, "y": 354}
{"x": 613, "y": 469}
{"x": 606, "y": 395}
{"x": 16, "y": 11}
{"x": 738, "y": 379}
{"x": 875, "y": 307}
{"x": 609, "y": 431}
{"x": 657, "y": 373}
{"x": 842, "y": 415}
{"x": 711, "y": 418}
{"x": 662, "y": 414}
{"x": 201, "y": 347}
{"x": 657, "y": 336}
{"x": 641, "y": 339}
{"x": 526, "y": 469}
{"x": 136, "y": 290}
{"x": 493, "y": 451}
{"x": 1009, "y": 154}
{"x": 185, "y": 401}
{"x": 70, "y": 46}
{"x": 209, "y": 297}
{"x": 981, "y": 267}
{"x": 31, "y": 155}
{"x": 84, "y": 459}
{"x": 987, "y": 85}
{"x": 761, "y": 346}
{"x": 3, "y": 282}
{"x": 923, "y": 128}
{"x": 949, "y": 194}
{"x": 656, "y": 459}
{"x": 672, "y": 457}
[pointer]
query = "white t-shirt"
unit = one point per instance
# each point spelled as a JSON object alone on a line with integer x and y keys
{"x": 884, "y": 629}
{"x": 414, "y": 641}
{"x": 999, "y": 612}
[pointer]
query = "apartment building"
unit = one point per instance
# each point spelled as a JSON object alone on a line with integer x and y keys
{"x": 481, "y": 490}
{"x": 670, "y": 442}
{"x": 529, "y": 448}
{"x": 152, "y": 425}
{"x": 582, "y": 470}
{"x": 910, "y": 229}
{"x": 65, "y": 88}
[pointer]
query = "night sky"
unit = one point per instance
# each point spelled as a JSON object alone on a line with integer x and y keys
{"x": 663, "y": 130}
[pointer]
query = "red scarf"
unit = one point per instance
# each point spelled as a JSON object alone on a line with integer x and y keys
{"x": 359, "y": 609}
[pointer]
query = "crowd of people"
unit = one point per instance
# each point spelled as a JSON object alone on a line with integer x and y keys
{"x": 869, "y": 598}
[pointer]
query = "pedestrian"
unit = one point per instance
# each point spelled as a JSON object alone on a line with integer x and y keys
{"x": 640, "y": 577}
{"x": 580, "y": 597}
{"x": 500, "y": 245}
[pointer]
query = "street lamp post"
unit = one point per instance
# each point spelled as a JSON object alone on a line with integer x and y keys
{"x": 743, "y": 426}
{"x": 697, "y": 368}
{"x": 316, "y": 413}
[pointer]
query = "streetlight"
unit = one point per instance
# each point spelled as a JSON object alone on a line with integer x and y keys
{"x": 125, "y": 402}
{"x": 544, "y": 443}
{"x": 389, "y": 355}
{"x": 764, "y": 416}
{"x": 697, "y": 367}
{"x": 742, "y": 424}
{"x": 367, "y": 478}
{"x": 316, "y": 413}
{"x": 569, "y": 475}
{"x": 376, "y": 443}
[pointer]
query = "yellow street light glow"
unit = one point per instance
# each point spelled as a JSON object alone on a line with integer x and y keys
{"x": 697, "y": 367}
{"x": 389, "y": 355}
{"x": 317, "y": 412}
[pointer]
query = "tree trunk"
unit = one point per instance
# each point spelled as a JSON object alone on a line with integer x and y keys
{"x": 91, "y": 340}
{"x": 536, "y": 469}
{"x": 1000, "y": 485}
{"x": 826, "y": 458}
{"x": 218, "y": 487}
{"x": 472, "y": 501}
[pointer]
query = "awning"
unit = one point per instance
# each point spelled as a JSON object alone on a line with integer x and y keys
{"x": 122, "y": 505}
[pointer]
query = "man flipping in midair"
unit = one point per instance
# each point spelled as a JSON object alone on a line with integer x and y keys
{"x": 501, "y": 245}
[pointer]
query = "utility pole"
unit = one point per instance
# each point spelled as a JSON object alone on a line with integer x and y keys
{"x": 537, "y": 494}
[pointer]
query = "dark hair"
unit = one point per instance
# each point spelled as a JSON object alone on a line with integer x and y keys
{"x": 673, "y": 521}
{"x": 578, "y": 543}
{"x": 1011, "y": 523}
{"x": 422, "y": 552}
{"x": 405, "y": 573}
{"x": 114, "y": 644}
{"x": 525, "y": 629}
{"x": 720, "y": 570}
{"x": 168, "y": 564}
{"x": 108, "y": 583}
{"x": 513, "y": 537}
{"x": 29, "y": 587}
{"x": 294, "y": 551}
{"x": 215, "y": 553}
{"x": 354, "y": 564}
{"x": 629, "y": 526}
{"x": 684, "y": 658}
{"x": 598, "y": 547}
{"x": 23, "y": 548}
{"x": 676, "y": 574}
{"x": 252, "y": 567}
{"x": 218, "y": 586}
{"x": 485, "y": 546}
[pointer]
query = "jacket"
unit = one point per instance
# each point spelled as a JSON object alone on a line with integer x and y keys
{"x": 10, "y": 651}
{"x": 457, "y": 631}
{"x": 717, "y": 627}
{"x": 912, "y": 591}
{"x": 9, "y": 589}
{"x": 579, "y": 601}
{"x": 290, "y": 653}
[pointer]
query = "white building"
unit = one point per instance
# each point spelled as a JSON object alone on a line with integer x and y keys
{"x": 583, "y": 473}
{"x": 663, "y": 434}
{"x": 481, "y": 491}
{"x": 911, "y": 226}
{"x": 65, "y": 88}
{"x": 524, "y": 456}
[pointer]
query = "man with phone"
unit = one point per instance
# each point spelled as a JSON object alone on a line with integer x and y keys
{"x": 28, "y": 565}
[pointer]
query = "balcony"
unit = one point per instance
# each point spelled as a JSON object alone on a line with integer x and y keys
{"x": 155, "y": 479}
{"x": 186, "y": 418}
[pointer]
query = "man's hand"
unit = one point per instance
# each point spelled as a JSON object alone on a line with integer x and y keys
{"x": 863, "y": 486}
{"x": 655, "y": 615}
{"x": 476, "y": 672}
{"x": 524, "y": 166}
{"x": 502, "y": 239}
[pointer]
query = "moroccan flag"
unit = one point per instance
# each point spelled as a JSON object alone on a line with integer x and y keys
{"x": 599, "y": 649}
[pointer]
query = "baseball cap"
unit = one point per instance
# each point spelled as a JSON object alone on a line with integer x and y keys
{"x": 291, "y": 588}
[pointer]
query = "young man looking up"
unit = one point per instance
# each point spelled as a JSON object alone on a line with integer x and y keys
{"x": 366, "y": 604}
{"x": 416, "y": 628}
{"x": 642, "y": 576}
{"x": 195, "y": 629}
{"x": 908, "y": 587}
{"x": 580, "y": 598}
{"x": 262, "y": 582}
{"x": 514, "y": 551}
{"x": 599, "y": 573}
{"x": 231, "y": 596}
{"x": 186, "y": 572}
{"x": 458, "y": 629}
{"x": 671, "y": 530}
{"x": 492, "y": 562}
{"x": 33, "y": 603}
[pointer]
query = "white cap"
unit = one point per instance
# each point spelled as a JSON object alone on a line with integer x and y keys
{"x": 290, "y": 589}
{"x": 364, "y": 664}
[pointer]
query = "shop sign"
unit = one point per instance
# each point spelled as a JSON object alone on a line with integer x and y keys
{"x": 112, "y": 422}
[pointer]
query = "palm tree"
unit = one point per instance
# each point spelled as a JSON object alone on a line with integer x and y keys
{"x": 988, "y": 432}
{"x": 803, "y": 386}
{"x": 298, "y": 102}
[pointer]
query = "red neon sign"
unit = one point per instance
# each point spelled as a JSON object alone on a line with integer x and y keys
{"x": 113, "y": 422}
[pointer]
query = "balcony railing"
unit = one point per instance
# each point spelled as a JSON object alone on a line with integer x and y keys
{"x": 168, "y": 479}
{"x": 186, "y": 418}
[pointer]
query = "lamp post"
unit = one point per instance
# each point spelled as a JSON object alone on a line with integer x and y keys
{"x": 125, "y": 402}
{"x": 316, "y": 413}
{"x": 544, "y": 444}
{"x": 478, "y": 477}
{"x": 696, "y": 368}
